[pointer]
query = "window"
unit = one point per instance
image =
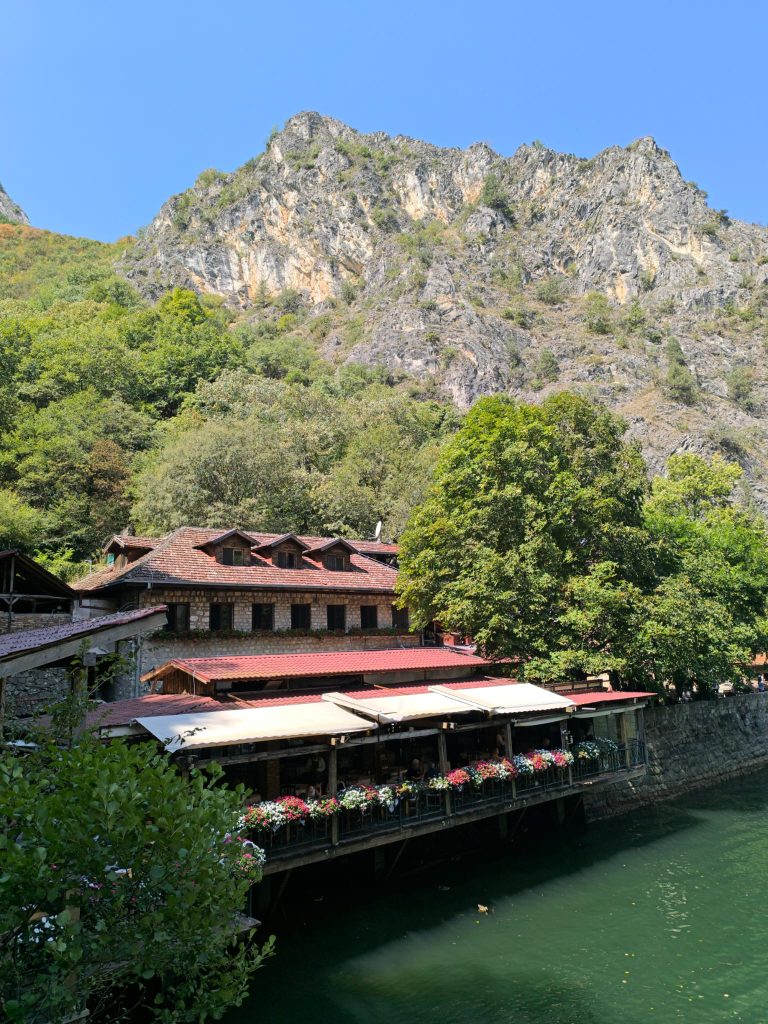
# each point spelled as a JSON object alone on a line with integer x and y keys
{"x": 286, "y": 559}
{"x": 337, "y": 616}
{"x": 399, "y": 618}
{"x": 262, "y": 616}
{"x": 220, "y": 617}
{"x": 233, "y": 556}
{"x": 178, "y": 618}
{"x": 300, "y": 616}
{"x": 336, "y": 563}
{"x": 369, "y": 616}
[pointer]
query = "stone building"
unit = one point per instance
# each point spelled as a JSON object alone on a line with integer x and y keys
{"x": 36, "y": 664}
{"x": 240, "y": 592}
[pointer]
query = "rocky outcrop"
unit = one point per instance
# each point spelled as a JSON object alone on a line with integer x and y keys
{"x": 524, "y": 274}
{"x": 10, "y": 212}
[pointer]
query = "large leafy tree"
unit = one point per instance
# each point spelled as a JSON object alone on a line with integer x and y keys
{"x": 118, "y": 887}
{"x": 534, "y": 510}
{"x": 706, "y": 616}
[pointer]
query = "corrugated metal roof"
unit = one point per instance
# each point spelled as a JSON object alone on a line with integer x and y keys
{"x": 225, "y": 728}
{"x": 284, "y": 666}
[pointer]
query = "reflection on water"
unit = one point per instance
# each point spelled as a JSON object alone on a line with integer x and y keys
{"x": 658, "y": 916}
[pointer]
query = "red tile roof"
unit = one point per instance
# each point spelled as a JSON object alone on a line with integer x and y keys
{"x": 606, "y": 696}
{"x": 282, "y": 666}
{"x": 177, "y": 561}
{"x": 28, "y": 640}
{"x": 123, "y": 712}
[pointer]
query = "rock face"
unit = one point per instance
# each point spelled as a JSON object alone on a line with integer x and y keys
{"x": 523, "y": 274}
{"x": 10, "y": 212}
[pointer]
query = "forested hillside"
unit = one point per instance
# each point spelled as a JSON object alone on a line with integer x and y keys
{"x": 116, "y": 410}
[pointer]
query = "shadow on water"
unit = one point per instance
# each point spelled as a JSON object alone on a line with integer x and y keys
{"x": 570, "y": 910}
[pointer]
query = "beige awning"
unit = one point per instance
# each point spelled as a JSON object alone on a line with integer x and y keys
{"x": 513, "y": 699}
{"x": 224, "y": 728}
{"x": 404, "y": 707}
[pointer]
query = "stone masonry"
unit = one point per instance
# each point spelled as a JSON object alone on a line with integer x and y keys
{"x": 691, "y": 745}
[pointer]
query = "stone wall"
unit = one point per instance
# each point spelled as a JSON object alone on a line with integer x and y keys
{"x": 158, "y": 649}
{"x": 29, "y": 692}
{"x": 199, "y": 602}
{"x": 33, "y": 621}
{"x": 692, "y": 745}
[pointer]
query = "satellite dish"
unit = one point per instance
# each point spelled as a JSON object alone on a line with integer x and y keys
{"x": 377, "y": 531}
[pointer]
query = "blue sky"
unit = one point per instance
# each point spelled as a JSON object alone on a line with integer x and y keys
{"x": 109, "y": 108}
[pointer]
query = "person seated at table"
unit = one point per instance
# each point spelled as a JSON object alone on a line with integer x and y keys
{"x": 430, "y": 771}
{"x": 415, "y": 773}
{"x": 311, "y": 793}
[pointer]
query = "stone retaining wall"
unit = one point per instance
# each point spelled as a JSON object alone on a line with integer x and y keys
{"x": 29, "y": 692}
{"x": 691, "y": 745}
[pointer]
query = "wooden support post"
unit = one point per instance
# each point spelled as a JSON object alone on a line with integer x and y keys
{"x": 624, "y": 727}
{"x": 333, "y": 785}
{"x": 396, "y": 859}
{"x": 442, "y": 753}
{"x": 508, "y": 736}
{"x": 442, "y": 756}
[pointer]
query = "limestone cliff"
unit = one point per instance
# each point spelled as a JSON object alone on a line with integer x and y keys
{"x": 524, "y": 274}
{"x": 10, "y": 212}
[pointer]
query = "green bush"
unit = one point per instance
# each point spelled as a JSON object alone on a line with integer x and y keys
{"x": 598, "y": 314}
{"x": 550, "y": 292}
{"x": 547, "y": 369}
{"x": 741, "y": 388}
{"x": 493, "y": 196}
{"x": 679, "y": 383}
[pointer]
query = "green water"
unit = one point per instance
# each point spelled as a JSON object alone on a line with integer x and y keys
{"x": 660, "y": 916}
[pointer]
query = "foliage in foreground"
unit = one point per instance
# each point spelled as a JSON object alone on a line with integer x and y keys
{"x": 118, "y": 887}
{"x": 542, "y": 537}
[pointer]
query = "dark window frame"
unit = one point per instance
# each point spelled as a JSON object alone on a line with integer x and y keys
{"x": 400, "y": 619}
{"x": 370, "y": 612}
{"x": 301, "y": 618}
{"x": 173, "y": 624}
{"x": 336, "y": 563}
{"x": 267, "y": 622}
{"x": 287, "y": 560}
{"x": 336, "y": 617}
{"x": 218, "y": 613}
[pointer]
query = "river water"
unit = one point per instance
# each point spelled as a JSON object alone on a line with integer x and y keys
{"x": 658, "y": 916}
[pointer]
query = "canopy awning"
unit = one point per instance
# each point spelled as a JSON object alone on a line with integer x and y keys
{"x": 404, "y": 707}
{"x": 516, "y": 698}
{"x": 224, "y": 728}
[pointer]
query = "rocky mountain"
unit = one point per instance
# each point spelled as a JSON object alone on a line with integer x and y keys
{"x": 10, "y": 212}
{"x": 523, "y": 274}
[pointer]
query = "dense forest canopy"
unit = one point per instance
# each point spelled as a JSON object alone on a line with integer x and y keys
{"x": 116, "y": 411}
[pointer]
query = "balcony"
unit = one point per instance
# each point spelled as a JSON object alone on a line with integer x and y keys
{"x": 386, "y": 814}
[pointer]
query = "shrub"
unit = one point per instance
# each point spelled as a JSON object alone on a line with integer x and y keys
{"x": 347, "y": 292}
{"x": 550, "y": 291}
{"x": 647, "y": 279}
{"x": 519, "y": 315}
{"x": 679, "y": 383}
{"x": 384, "y": 219}
{"x": 598, "y": 316}
{"x": 547, "y": 368}
{"x": 493, "y": 196}
{"x": 741, "y": 387}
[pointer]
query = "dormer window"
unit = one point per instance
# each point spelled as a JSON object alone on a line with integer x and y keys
{"x": 286, "y": 559}
{"x": 336, "y": 562}
{"x": 233, "y": 556}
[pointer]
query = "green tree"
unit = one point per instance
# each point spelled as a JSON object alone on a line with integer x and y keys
{"x": 598, "y": 315}
{"x": 679, "y": 383}
{"x": 706, "y": 617}
{"x": 21, "y": 525}
{"x": 119, "y": 887}
{"x": 530, "y": 506}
